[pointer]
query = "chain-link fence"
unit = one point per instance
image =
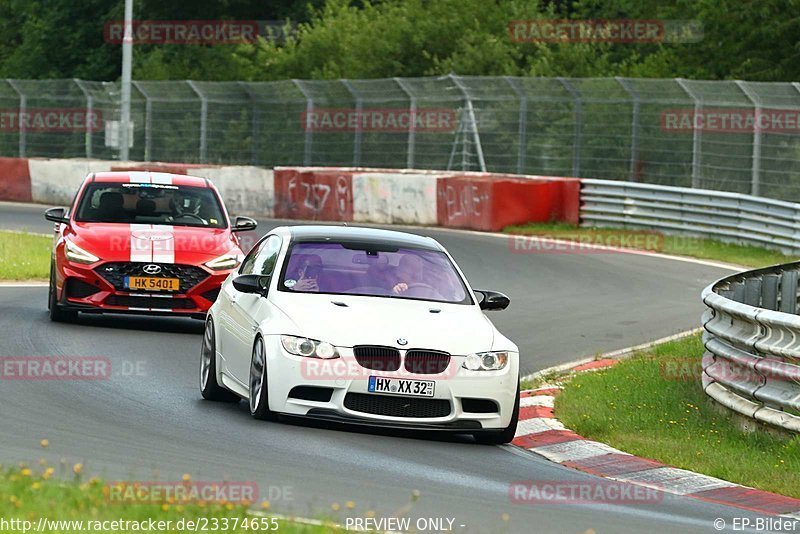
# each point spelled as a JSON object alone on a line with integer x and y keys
{"x": 727, "y": 135}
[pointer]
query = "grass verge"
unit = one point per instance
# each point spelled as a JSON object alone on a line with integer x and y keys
{"x": 24, "y": 256}
{"x": 652, "y": 405}
{"x": 694, "y": 247}
{"x": 70, "y": 505}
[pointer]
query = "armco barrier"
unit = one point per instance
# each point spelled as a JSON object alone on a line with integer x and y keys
{"x": 752, "y": 338}
{"x": 15, "y": 180}
{"x": 714, "y": 214}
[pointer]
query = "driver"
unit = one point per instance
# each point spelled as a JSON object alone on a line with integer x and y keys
{"x": 409, "y": 272}
{"x": 186, "y": 206}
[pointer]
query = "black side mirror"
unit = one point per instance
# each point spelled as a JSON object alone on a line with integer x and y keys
{"x": 252, "y": 283}
{"x": 492, "y": 300}
{"x": 57, "y": 215}
{"x": 244, "y": 224}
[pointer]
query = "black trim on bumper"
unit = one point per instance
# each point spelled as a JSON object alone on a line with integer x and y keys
{"x": 458, "y": 427}
{"x": 85, "y": 308}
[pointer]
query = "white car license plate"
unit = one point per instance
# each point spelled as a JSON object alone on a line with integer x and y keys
{"x": 401, "y": 386}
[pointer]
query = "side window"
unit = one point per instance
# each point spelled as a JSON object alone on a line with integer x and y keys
{"x": 265, "y": 260}
{"x": 250, "y": 259}
{"x": 261, "y": 260}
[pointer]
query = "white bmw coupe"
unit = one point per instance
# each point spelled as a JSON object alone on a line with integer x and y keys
{"x": 361, "y": 326}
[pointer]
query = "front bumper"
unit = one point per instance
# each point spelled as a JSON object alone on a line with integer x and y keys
{"x": 80, "y": 287}
{"x": 456, "y": 388}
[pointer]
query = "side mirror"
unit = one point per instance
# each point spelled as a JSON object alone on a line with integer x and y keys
{"x": 492, "y": 300}
{"x": 57, "y": 215}
{"x": 244, "y": 224}
{"x": 252, "y": 283}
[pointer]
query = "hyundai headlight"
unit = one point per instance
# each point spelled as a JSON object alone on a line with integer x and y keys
{"x": 309, "y": 348}
{"x": 77, "y": 254}
{"x": 487, "y": 361}
{"x": 231, "y": 260}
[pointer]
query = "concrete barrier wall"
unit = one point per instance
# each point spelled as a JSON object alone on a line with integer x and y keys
{"x": 55, "y": 181}
{"x": 479, "y": 201}
{"x": 394, "y": 198}
{"x": 15, "y": 180}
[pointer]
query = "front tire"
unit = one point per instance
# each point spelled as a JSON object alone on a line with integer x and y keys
{"x": 501, "y": 437}
{"x": 259, "y": 393}
{"x": 57, "y": 313}
{"x": 209, "y": 387}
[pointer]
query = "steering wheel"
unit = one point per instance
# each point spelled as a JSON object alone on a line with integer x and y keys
{"x": 202, "y": 220}
{"x": 368, "y": 290}
{"x": 421, "y": 285}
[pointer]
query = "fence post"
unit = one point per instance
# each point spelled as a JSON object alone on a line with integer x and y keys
{"x": 522, "y": 130}
{"x": 473, "y": 122}
{"x": 309, "y": 140}
{"x": 634, "y": 126}
{"x": 696, "y": 132}
{"x": 412, "y": 131}
{"x": 23, "y": 109}
{"x": 358, "y": 133}
{"x": 755, "y": 184}
{"x": 148, "y": 122}
{"x": 89, "y": 110}
{"x": 576, "y": 142}
{"x": 203, "y": 120}
{"x": 254, "y": 123}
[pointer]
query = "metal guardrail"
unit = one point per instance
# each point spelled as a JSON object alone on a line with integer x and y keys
{"x": 718, "y": 215}
{"x": 752, "y": 339}
{"x": 751, "y": 327}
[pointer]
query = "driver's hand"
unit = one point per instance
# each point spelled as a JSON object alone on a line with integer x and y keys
{"x": 306, "y": 284}
{"x": 400, "y": 288}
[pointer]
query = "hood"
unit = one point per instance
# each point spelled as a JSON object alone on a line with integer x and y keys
{"x": 151, "y": 243}
{"x": 457, "y": 329}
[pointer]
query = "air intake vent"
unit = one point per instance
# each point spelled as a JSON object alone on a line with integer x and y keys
{"x": 397, "y": 406}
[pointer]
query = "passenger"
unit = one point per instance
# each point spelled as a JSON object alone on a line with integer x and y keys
{"x": 307, "y": 274}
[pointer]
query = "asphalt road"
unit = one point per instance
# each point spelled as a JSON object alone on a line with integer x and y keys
{"x": 147, "y": 421}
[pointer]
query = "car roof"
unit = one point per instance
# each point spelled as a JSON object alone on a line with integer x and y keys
{"x": 359, "y": 234}
{"x": 148, "y": 177}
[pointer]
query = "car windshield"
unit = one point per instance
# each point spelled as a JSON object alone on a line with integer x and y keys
{"x": 150, "y": 204}
{"x": 372, "y": 270}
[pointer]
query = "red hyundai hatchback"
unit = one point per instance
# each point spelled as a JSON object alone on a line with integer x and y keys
{"x": 142, "y": 242}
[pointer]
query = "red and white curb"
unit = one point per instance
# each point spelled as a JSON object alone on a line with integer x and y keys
{"x": 541, "y": 433}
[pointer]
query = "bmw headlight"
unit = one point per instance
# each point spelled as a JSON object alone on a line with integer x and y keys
{"x": 77, "y": 254}
{"x": 486, "y": 361}
{"x": 310, "y": 348}
{"x": 231, "y": 260}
